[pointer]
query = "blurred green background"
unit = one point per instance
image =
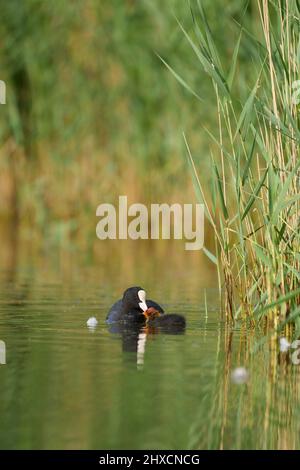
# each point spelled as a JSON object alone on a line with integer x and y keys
{"x": 93, "y": 113}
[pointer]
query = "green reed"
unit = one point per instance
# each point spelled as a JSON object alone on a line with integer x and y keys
{"x": 253, "y": 206}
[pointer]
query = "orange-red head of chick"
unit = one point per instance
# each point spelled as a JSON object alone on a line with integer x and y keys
{"x": 151, "y": 313}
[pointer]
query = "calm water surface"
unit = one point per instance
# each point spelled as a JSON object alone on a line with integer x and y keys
{"x": 65, "y": 386}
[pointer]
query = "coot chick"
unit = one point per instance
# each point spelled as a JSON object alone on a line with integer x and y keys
{"x": 166, "y": 322}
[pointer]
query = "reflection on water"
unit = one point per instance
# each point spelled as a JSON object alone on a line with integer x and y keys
{"x": 134, "y": 338}
{"x": 67, "y": 386}
{"x": 2, "y": 352}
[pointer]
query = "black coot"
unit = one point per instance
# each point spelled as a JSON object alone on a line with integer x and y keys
{"x": 136, "y": 309}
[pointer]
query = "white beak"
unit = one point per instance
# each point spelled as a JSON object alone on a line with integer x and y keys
{"x": 142, "y": 297}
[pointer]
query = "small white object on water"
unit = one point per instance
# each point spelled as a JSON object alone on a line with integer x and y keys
{"x": 240, "y": 375}
{"x": 92, "y": 322}
{"x": 284, "y": 345}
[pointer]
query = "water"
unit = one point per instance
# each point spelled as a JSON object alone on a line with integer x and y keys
{"x": 66, "y": 386}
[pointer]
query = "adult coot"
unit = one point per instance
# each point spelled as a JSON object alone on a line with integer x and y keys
{"x": 132, "y": 306}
